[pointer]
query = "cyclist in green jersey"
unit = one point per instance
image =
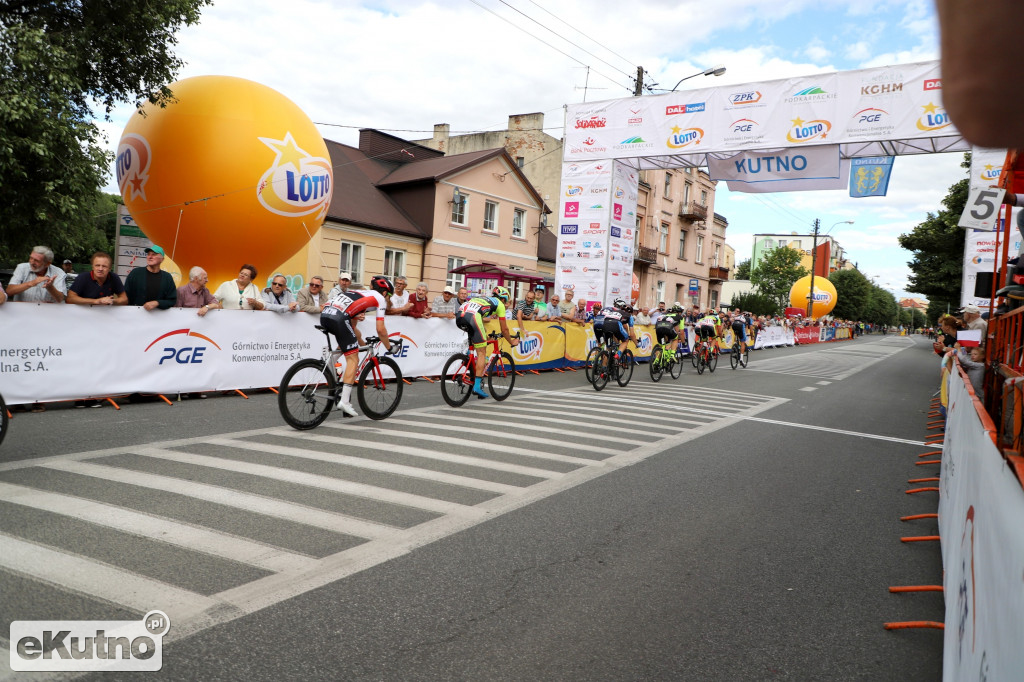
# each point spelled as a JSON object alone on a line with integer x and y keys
{"x": 470, "y": 319}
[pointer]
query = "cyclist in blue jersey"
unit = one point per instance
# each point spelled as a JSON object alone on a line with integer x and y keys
{"x": 618, "y": 324}
{"x": 598, "y": 323}
{"x": 739, "y": 328}
{"x": 470, "y": 319}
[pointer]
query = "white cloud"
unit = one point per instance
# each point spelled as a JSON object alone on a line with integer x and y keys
{"x": 817, "y": 51}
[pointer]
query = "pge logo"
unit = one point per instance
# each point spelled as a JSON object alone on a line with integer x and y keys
{"x": 296, "y": 183}
{"x": 743, "y": 125}
{"x": 404, "y": 353}
{"x": 868, "y": 116}
{"x": 185, "y": 355}
{"x": 934, "y": 118}
{"x": 684, "y": 137}
{"x": 530, "y": 347}
{"x": 808, "y": 131}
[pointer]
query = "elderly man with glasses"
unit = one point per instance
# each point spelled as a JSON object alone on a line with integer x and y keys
{"x": 278, "y": 297}
{"x": 312, "y": 298}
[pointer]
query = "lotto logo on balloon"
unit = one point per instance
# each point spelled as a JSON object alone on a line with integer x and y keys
{"x": 824, "y": 298}
{"x": 133, "y": 157}
{"x": 296, "y": 183}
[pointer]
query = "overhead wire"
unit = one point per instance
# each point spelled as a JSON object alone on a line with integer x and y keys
{"x": 596, "y": 42}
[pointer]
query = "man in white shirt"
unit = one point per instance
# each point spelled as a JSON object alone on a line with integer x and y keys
{"x": 38, "y": 280}
{"x": 399, "y": 303}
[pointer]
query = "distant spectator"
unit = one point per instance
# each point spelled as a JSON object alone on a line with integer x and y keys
{"x": 582, "y": 315}
{"x": 972, "y": 320}
{"x": 567, "y": 309}
{"x": 444, "y": 305}
{"x": 312, "y": 298}
{"x": 399, "y": 302}
{"x": 38, "y": 280}
{"x": 462, "y": 296}
{"x": 194, "y": 294}
{"x": 947, "y": 339}
{"x": 343, "y": 285}
{"x": 526, "y": 308}
{"x": 973, "y": 362}
{"x": 151, "y": 287}
{"x": 419, "y": 304}
{"x": 553, "y": 313}
{"x": 642, "y": 317}
{"x": 278, "y": 297}
{"x": 240, "y": 293}
{"x": 100, "y": 286}
{"x": 70, "y": 274}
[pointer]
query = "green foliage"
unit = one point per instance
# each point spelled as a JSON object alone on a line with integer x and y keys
{"x": 775, "y": 274}
{"x": 753, "y": 302}
{"x": 853, "y": 292}
{"x": 743, "y": 270}
{"x": 938, "y": 248}
{"x": 59, "y": 58}
{"x": 881, "y": 307}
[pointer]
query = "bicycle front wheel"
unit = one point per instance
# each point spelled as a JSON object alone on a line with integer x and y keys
{"x": 377, "y": 397}
{"x": 592, "y": 356}
{"x": 745, "y": 357}
{"x": 676, "y": 366}
{"x": 306, "y": 395}
{"x": 712, "y": 360}
{"x": 602, "y": 370}
{"x": 700, "y": 363}
{"x": 625, "y": 367}
{"x": 501, "y": 376}
{"x": 4, "y": 419}
{"x": 657, "y": 369}
{"x": 457, "y": 380}
{"x": 695, "y": 356}
{"x": 734, "y": 356}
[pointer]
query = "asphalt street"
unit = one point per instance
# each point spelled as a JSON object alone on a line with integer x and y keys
{"x": 741, "y": 525}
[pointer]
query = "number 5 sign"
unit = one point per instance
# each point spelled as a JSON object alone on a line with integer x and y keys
{"x": 982, "y": 209}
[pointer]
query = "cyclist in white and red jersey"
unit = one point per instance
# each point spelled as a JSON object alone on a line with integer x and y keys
{"x": 336, "y": 318}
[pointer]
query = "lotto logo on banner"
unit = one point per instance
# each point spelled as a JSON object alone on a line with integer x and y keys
{"x": 572, "y": 209}
{"x": 644, "y": 341}
{"x": 684, "y": 137}
{"x": 573, "y": 191}
{"x": 803, "y": 132}
{"x": 530, "y": 347}
{"x": 933, "y": 118}
{"x": 183, "y": 355}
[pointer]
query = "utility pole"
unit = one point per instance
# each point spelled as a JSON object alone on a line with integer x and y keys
{"x": 639, "y": 90}
{"x": 814, "y": 263}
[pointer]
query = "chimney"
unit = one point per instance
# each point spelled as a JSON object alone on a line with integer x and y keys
{"x": 441, "y": 131}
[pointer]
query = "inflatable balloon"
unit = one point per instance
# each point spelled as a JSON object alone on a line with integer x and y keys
{"x": 231, "y": 172}
{"x": 634, "y": 293}
{"x": 825, "y": 295}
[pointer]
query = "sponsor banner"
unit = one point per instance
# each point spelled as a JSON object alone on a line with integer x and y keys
{"x": 869, "y": 176}
{"x": 986, "y": 165}
{"x": 807, "y": 334}
{"x": 581, "y": 258}
{"x": 774, "y": 336}
{"x": 621, "y": 235}
{"x": 816, "y": 167}
{"x": 980, "y": 506}
{"x": 859, "y": 109}
{"x": 980, "y": 252}
{"x": 542, "y": 347}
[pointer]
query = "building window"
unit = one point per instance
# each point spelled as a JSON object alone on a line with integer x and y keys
{"x": 703, "y": 197}
{"x": 453, "y": 280}
{"x": 718, "y": 252}
{"x": 668, "y": 186}
{"x": 714, "y": 298}
{"x": 518, "y": 222}
{"x": 659, "y": 292}
{"x": 352, "y": 260}
{"x": 682, "y": 244}
{"x": 491, "y": 216}
{"x": 663, "y": 239}
{"x": 459, "y": 209}
{"x": 686, "y": 194}
{"x": 700, "y": 249}
{"x": 394, "y": 263}
{"x": 520, "y": 161}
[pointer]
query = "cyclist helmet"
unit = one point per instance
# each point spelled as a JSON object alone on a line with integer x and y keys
{"x": 382, "y": 285}
{"x": 619, "y": 303}
{"x": 501, "y": 293}
{"x": 676, "y": 309}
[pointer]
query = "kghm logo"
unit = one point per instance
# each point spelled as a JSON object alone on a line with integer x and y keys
{"x": 88, "y": 645}
{"x": 186, "y": 355}
{"x": 684, "y": 137}
{"x": 807, "y": 131}
{"x": 297, "y": 183}
{"x": 573, "y": 190}
{"x": 934, "y": 118}
{"x": 133, "y": 160}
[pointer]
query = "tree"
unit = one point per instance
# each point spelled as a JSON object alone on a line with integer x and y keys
{"x": 753, "y": 302}
{"x": 775, "y": 274}
{"x": 743, "y": 270}
{"x": 853, "y": 291}
{"x": 938, "y": 248}
{"x": 881, "y": 307}
{"x": 59, "y": 58}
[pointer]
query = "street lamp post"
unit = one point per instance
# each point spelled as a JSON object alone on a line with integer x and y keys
{"x": 713, "y": 71}
{"x": 814, "y": 263}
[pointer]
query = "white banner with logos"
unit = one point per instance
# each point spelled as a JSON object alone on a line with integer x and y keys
{"x": 774, "y": 336}
{"x": 582, "y": 256}
{"x": 870, "y": 112}
{"x": 981, "y": 504}
{"x": 981, "y": 248}
{"x": 65, "y": 352}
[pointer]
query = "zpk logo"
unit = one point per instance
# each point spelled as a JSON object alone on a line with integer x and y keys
{"x": 186, "y": 355}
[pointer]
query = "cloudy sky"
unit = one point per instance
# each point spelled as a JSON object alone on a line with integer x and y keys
{"x": 404, "y": 65}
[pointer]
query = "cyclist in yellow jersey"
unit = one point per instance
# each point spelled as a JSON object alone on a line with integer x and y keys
{"x": 710, "y": 326}
{"x": 469, "y": 318}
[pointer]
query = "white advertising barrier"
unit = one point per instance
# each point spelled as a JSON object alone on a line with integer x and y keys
{"x": 774, "y": 336}
{"x": 981, "y": 508}
{"x": 64, "y": 352}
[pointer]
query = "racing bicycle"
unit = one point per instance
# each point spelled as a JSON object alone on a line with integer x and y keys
{"x": 660, "y": 363}
{"x": 591, "y": 361}
{"x": 312, "y": 387}
{"x": 459, "y": 373}
{"x": 607, "y": 366}
{"x": 707, "y": 356}
{"x": 736, "y": 358}
{"x": 4, "y": 419}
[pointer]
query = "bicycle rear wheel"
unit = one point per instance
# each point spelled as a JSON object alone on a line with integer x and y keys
{"x": 676, "y": 367}
{"x": 4, "y": 419}
{"x": 457, "y": 371}
{"x": 625, "y": 372}
{"x": 591, "y": 362}
{"x": 501, "y": 376}
{"x": 712, "y": 360}
{"x": 734, "y": 356}
{"x": 656, "y": 367}
{"x": 745, "y": 357}
{"x": 376, "y": 396}
{"x": 306, "y": 395}
{"x": 695, "y": 356}
{"x": 700, "y": 362}
{"x": 602, "y": 370}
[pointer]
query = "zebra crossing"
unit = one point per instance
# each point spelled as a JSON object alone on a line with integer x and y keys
{"x": 208, "y": 529}
{"x": 835, "y": 362}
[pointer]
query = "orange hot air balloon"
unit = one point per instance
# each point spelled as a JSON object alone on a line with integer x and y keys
{"x": 634, "y": 294}
{"x": 232, "y": 172}
{"x": 825, "y": 296}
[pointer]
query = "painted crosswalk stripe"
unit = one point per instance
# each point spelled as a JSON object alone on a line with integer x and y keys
{"x": 521, "y": 437}
{"x": 544, "y": 416}
{"x": 568, "y": 433}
